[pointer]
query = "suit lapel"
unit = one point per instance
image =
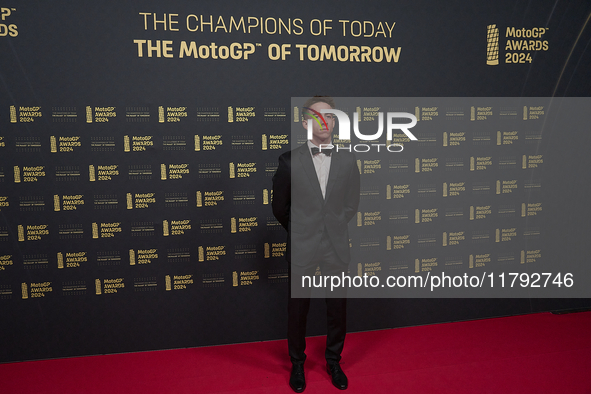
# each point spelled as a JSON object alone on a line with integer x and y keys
{"x": 308, "y": 166}
{"x": 335, "y": 165}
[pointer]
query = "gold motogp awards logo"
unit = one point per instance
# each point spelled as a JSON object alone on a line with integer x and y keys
{"x": 7, "y": 29}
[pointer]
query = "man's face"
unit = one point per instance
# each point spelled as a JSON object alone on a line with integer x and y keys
{"x": 320, "y": 131}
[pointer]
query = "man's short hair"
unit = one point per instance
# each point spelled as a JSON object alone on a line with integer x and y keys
{"x": 316, "y": 99}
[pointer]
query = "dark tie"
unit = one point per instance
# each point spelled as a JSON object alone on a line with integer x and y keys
{"x": 326, "y": 151}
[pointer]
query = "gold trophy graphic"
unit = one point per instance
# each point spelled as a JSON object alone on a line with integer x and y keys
{"x": 492, "y": 45}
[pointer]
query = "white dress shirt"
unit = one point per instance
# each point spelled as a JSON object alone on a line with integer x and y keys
{"x": 322, "y": 166}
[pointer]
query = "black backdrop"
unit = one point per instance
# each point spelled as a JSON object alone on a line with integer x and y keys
{"x": 61, "y": 60}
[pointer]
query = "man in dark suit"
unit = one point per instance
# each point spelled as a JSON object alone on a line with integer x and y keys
{"x": 315, "y": 195}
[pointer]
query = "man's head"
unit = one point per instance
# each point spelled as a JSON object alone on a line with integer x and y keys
{"x": 322, "y": 124}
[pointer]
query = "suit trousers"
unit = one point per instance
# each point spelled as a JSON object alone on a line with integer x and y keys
{"x": 336, "y": 308}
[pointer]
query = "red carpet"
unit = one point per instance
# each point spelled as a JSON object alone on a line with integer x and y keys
{"x": 540, "y": 353}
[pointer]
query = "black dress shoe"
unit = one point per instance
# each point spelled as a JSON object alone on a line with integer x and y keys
{"x": 339, "y": 379}
{"x": 297, "y": 380}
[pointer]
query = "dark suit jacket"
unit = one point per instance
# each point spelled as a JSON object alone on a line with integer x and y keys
{"x": 299, "y": 207}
